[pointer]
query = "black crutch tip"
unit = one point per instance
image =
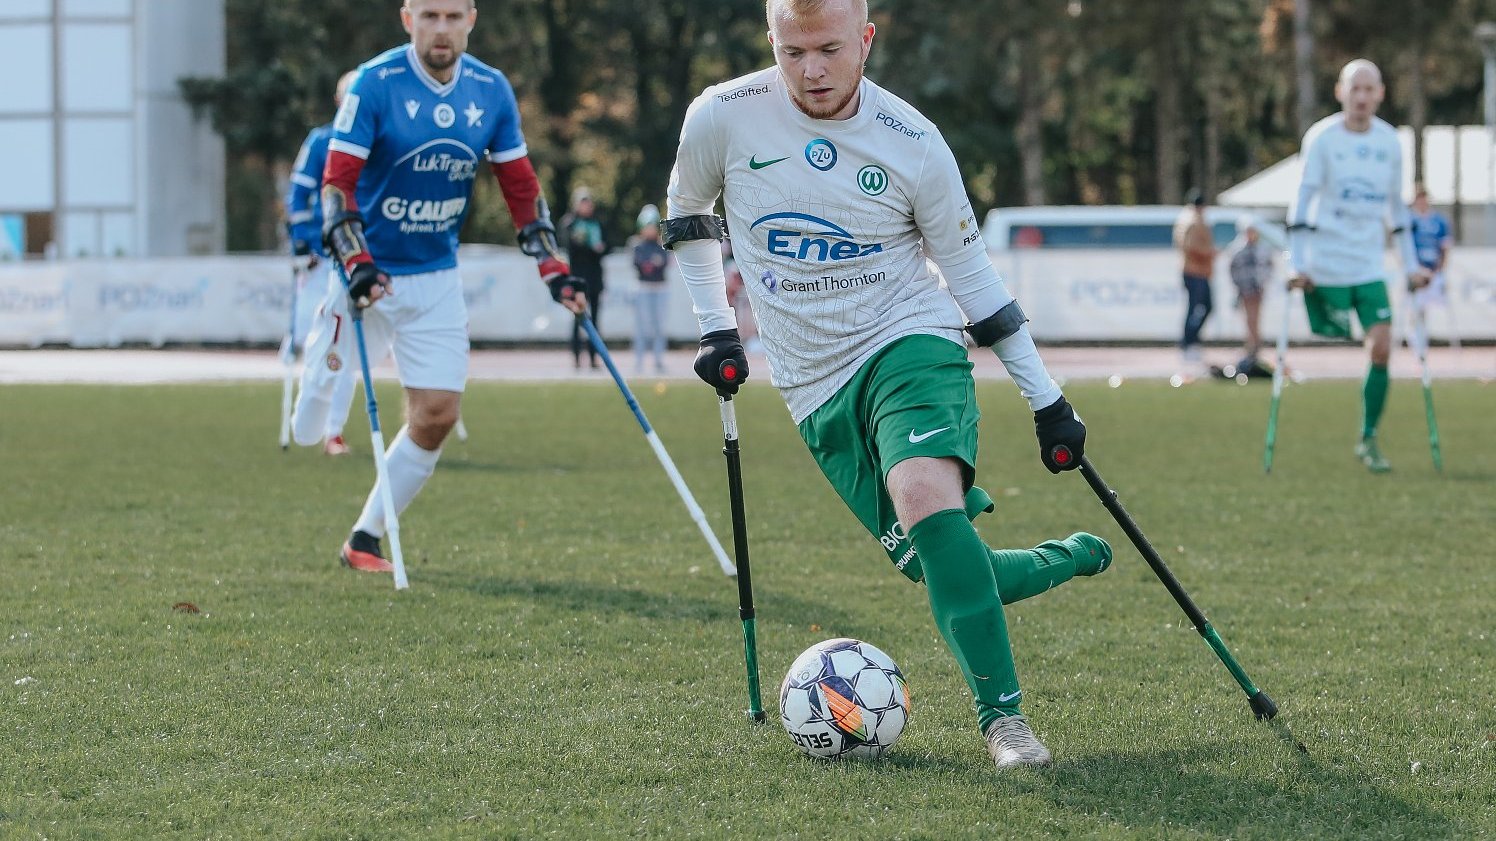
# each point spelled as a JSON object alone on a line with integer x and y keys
{"x": 759, "y": 716}
{"x": 1263, "y": 706}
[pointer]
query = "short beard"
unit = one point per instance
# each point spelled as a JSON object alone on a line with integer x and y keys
{"x": 830, "y": 111}
{"x": 432, "y": 64}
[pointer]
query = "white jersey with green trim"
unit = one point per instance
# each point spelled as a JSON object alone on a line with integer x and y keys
{"x": 1350, "y": 195}
{"x": 831, "y": 222}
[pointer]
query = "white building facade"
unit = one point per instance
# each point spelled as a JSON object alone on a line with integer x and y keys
{"x": 99, "y": 154}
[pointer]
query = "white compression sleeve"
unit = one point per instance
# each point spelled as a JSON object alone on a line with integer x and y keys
{"x": 980, "y": 292}
{"x": 1021, "y": 358}
{"x": 976, "y": 286}
{"x": 700, "y": 262}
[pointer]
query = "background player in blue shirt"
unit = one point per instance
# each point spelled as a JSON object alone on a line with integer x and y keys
{"x": 320, "y": 308}
{"x": 416, "y": 126}
{"x": 1432, "y": 239}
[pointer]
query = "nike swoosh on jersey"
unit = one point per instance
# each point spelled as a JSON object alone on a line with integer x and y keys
{"x": 915, "y": 438}
{"x": 1003, "y": 699}
{"x": 755, "y": 163}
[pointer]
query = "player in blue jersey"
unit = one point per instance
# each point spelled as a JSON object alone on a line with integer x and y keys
{"x": 406, "y": 146}
{"x": 321, "y": 307}
{"x": 1432, "y": 239}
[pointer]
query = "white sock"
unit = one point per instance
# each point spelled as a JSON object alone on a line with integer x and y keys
{"x": 408, "y": 467}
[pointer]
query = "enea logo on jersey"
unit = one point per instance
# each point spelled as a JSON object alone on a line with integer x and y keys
{"x": 823, "y": 241}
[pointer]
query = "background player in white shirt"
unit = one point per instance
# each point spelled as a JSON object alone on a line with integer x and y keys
{"x": 1350, "y": 192}
{"x": 327, "y": 307}
{"x": 835, "y": 192}
{"x": 410, "y": 138}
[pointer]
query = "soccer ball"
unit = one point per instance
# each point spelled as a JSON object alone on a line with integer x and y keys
{"x": 844, "y": 697}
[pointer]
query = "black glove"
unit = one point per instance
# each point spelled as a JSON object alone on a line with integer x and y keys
{"x": 301, "y": 248}
{"x": 1059, "y": 428}
{"x": 361, "y": 282}
{"x": 564, "y": 285}
{"x": 718, "y": 348}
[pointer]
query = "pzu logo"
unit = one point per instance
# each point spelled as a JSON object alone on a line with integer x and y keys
{"x": 820, "y": 154}
{"x": 825, "y": 241}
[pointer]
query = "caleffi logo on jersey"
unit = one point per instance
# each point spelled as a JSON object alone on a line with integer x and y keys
{"x": 820, "y": 154}
{"x": 804, "y": 237}
{"x": 872, "y": 179}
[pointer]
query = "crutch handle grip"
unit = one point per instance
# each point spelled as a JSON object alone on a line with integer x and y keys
{"x": 730, "y": 372}
{"x": 1061, "y": 455}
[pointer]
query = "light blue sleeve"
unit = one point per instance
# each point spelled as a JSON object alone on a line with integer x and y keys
{"x": 508, "y": 142}
{"x": 303, "y": 199}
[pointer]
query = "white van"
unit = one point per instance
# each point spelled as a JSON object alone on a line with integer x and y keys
{"x": 1108, "y": 227}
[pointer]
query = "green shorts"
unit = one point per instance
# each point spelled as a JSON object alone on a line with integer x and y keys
{"x": 1330, "y": 308}
{"x": 914, "y": 397}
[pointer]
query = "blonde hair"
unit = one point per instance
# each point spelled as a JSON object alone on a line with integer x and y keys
{"x": 472, "y": 4}
{"x": 795, "y": 9}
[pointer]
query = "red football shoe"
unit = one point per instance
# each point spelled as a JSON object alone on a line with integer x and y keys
{"x": 362, "y": 553}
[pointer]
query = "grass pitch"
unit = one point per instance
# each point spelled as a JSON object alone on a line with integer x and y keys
{"x": 567, "y": 662}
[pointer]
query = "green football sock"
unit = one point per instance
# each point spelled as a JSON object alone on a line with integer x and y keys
{"x": 1373, "y": 399}
{"x": 968, "y": 610}
{"x": 1022, "y": 573}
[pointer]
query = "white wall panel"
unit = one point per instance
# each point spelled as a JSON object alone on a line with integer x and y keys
{"x": 26, "y": 67}
{"x": 21, "y": 9}
{"x": 95, "y": 8}
{"x": 26, "y": 164}
{"x": 97, "y": 66}
{"x": 99, "y": 161}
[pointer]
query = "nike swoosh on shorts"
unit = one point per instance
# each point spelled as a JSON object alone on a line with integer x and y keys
{"x": 915, "y": 438}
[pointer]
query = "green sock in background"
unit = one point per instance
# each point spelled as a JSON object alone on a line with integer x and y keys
{"x": 1373, "y": 399}
{"x": 1022, "y": 573}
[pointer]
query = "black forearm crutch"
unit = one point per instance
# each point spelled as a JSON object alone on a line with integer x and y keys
{"x": 730, "y": 373}
{"x": 1262, "y": 706}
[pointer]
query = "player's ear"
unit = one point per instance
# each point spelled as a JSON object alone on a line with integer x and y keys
{"x": 405, "y": 19}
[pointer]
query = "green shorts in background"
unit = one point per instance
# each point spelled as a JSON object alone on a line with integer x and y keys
{"x": 914, "y": 397}
{"x": 1330, "y": 308}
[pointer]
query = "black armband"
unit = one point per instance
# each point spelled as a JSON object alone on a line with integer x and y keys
{"x": 998, "y": 326}
{"x": 687, "y": 228}
{"x": 1301, "y": 226}
{"x": 343, "y": 234}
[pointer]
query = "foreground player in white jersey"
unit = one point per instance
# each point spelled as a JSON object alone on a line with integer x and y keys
{"x": 835, "y": 191}
{"x": 1351, "y": 188}
{"x": 408, "y": 142}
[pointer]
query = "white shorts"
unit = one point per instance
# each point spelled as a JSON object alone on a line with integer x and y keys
{"x": 424, "y": 322}
{"x": 308, "y": 297}
{"x": 1431, "y": 294}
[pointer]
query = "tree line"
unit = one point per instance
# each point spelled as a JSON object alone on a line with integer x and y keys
{"x": 1044, "y": 101}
